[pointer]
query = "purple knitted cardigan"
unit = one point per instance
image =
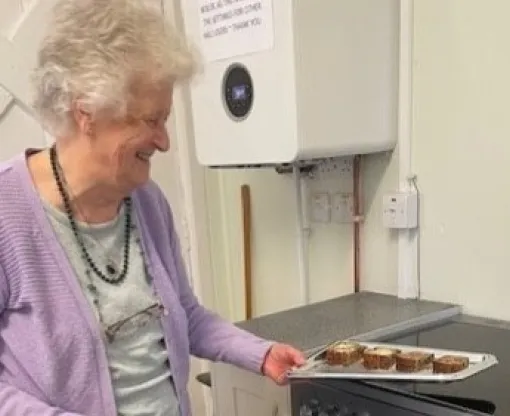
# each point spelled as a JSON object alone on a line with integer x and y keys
{"x": 52, "y": 358}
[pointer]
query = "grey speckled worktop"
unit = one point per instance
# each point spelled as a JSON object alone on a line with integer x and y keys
{"x": 362, "y": 316}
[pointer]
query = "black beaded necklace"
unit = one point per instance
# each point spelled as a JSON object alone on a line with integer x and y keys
{"x": 113, "y": 277}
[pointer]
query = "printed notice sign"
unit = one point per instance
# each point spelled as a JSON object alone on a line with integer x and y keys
{"x": 231, "y": 28}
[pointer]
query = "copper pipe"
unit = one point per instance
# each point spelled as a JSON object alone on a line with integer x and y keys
{"x": 246, "y": 206}
{"x": 356, "y": 175}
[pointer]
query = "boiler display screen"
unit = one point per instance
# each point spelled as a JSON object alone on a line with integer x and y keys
{"x": 239, "y": 92}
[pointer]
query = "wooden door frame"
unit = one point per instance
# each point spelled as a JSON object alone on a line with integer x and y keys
{"x": 195, "y": 241}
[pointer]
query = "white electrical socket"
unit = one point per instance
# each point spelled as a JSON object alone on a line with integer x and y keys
{"x": 342, "y": 208}
{"x": 400, "y": 210}
{"x": 320, "y": 209}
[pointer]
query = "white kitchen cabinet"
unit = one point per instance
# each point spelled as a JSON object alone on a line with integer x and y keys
{"x": 239, "y": 392}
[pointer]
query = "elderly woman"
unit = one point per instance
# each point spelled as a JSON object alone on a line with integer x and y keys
{"x": 97, "y": 316}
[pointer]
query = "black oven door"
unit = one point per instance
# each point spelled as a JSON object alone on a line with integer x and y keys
{"x": 327, "y": 397}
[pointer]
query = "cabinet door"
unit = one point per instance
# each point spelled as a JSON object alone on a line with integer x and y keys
{"x": 238, "y": 392}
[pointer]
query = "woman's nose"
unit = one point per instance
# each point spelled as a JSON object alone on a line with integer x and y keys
{"x": 162, "y": 140}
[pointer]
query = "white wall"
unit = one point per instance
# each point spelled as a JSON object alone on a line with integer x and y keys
{"x": 461, "y": 92}
{"x": 275, "y": 273}
{"x": 462, "y": 151}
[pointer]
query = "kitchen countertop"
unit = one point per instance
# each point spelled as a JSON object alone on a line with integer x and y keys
{"x": 362, "y": 316}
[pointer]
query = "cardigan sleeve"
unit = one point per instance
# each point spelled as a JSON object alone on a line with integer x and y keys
{"x": 14, "y": 401}
{"x": 212, "y": 337}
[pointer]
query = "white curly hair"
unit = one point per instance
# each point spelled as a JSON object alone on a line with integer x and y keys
{"x": 95, "y": 53}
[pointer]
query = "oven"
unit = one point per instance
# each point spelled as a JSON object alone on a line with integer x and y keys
{"x": 487, "y": 393}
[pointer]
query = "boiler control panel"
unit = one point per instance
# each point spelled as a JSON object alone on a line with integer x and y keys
{"x": 237, "y": 91}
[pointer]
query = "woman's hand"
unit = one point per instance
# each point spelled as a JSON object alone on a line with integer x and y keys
{"x": 279, "y": 360}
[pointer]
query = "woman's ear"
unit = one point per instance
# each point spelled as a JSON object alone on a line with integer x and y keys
{"x": 83, "y": 120}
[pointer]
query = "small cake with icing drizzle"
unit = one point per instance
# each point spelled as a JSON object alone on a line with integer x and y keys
{"x": 344, "y": 353}
{"x": 413, "y": 361}
{"x": 448, "y": 364}
{"x": 379, "y": 358}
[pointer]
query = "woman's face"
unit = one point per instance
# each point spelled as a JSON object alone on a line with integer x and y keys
{"x": 124, "y": 148}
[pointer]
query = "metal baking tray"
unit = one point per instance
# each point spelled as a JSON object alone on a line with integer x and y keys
{"x": 317, "y": 367}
